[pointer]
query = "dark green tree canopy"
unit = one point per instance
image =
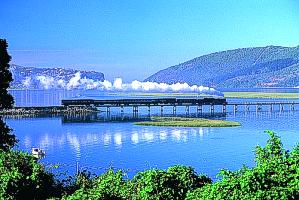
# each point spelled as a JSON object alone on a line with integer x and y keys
{"x": 6, "y": 100}
{"x": 7, "y": 140}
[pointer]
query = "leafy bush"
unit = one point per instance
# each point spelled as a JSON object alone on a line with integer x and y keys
{"x": 275, "y": 176}
{"x": 21, "y": 177}
{"x": 151, "y": 184}
{"x": 110, "y": 185}
{"x": 7, "y": 140}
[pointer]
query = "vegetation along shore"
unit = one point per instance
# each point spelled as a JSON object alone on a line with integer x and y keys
{"x": 261, "y": 95}
{"x": 187, "y": 122}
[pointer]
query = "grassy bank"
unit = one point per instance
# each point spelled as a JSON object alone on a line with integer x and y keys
{"x": 261, "y": 95}
{"x": 187, "y": 122}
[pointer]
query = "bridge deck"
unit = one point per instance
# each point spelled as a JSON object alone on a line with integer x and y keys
{"x": 145, "y": 102}
{"x": 90, "y": 105}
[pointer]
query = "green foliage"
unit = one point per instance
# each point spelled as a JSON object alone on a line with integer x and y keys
{"x": 73, "y": 183}
{"x": 154, "y": 184}
{"x": 21, "y": 177}
{"x": 275, "y": 176}
{"x": 187, "y": 178}
{"x": 7, "y": 140}
{"x": 171, "y": 184}
{"x": 151, "y": 184}
{"x": 110, "y": 185}
{"x": 6, "y": 100}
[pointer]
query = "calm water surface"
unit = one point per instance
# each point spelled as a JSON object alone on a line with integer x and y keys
{"x": 96, "y": 145}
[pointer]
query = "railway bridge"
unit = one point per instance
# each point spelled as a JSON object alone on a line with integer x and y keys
{"x": 201, "y": 104}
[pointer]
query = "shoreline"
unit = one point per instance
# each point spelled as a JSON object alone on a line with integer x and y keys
{"x": 262, "y": 95}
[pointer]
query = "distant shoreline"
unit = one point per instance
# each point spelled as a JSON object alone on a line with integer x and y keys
{"x": 266, "y": 95}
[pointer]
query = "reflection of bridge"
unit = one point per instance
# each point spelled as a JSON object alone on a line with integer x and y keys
{"x": 97, "y": 117}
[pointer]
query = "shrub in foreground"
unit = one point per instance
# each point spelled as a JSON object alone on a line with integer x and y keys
{"x": 110, "y": 185}
{"x": 275, "y": 176}
{"x": 173, "y": 183}
{"x": 22, "y": 177}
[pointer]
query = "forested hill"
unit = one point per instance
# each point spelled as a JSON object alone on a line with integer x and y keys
{"x": 47, "y": 78}
{"x": 271, "y": 66}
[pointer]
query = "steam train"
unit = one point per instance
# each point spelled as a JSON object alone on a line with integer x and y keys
{"x": 145, "y": 102}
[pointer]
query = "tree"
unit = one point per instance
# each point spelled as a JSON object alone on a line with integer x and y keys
{"x": 6, "y": 100}
{"x": 7, "y": 140}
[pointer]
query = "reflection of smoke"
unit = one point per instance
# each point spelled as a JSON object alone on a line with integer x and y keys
{"x": 77, "y": 82}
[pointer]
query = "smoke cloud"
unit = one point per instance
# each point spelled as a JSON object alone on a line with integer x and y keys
{"x": 46, "y": 81}
{"x": 27, "y": 82}
{"x": 77, "y": 82}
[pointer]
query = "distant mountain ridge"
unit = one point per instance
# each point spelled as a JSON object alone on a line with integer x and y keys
{"x": 271, "y": 66}
{"x": 47, "y": 78}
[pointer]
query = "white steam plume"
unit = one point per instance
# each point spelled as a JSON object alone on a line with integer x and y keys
{"x": 46, "y": 81}
{"x": 77, "y": 82}
{"x": 27, "y": 82}
{"x": 74, "y": 82}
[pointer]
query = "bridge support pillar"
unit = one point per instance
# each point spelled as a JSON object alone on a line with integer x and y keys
{"x": 258, "y": 107}
{"x": 235, "y": 108}
{"x": 135, "y": 111}
{"x": 247, "y": 107}
{"x": 187, "y": 110}
{"x": 224, "y": 108}
{"x": 174, "y": 110}
{"x": 161, "y": 110}
{"x": 212, "y": 108}
{"x": 292, "y": 106}
{"x": 271, "y": 107}
{"x": 281, "y": 107}
{"x": 199, "y": 109}
{"x": 149, "y": 110}
{"x": 108, "y": 112}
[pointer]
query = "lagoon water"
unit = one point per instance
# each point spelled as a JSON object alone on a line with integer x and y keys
{"x": 98, "y": 142}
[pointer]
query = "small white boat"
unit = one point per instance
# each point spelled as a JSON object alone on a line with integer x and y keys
{"x": 37, "y": 152}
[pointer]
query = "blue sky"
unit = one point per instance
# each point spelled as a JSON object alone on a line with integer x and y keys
{"x": 133, "y": 39}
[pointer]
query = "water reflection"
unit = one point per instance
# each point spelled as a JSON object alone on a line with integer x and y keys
{"x": 108, "y": 134}
{"x": 135, "y": 137}
{"x": 99, "y": 143}
{"x": 118, "y": 140}
{"x": 102, "y": 117}
{"x": 105, "y": 138}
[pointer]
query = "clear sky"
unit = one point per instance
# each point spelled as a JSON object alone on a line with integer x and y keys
{"x": 133, "y": 39}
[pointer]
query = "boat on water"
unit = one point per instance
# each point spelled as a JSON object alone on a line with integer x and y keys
{"x": 38, "y": 152}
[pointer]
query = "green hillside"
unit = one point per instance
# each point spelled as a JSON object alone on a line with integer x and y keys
{"x": 271, "y": 66}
